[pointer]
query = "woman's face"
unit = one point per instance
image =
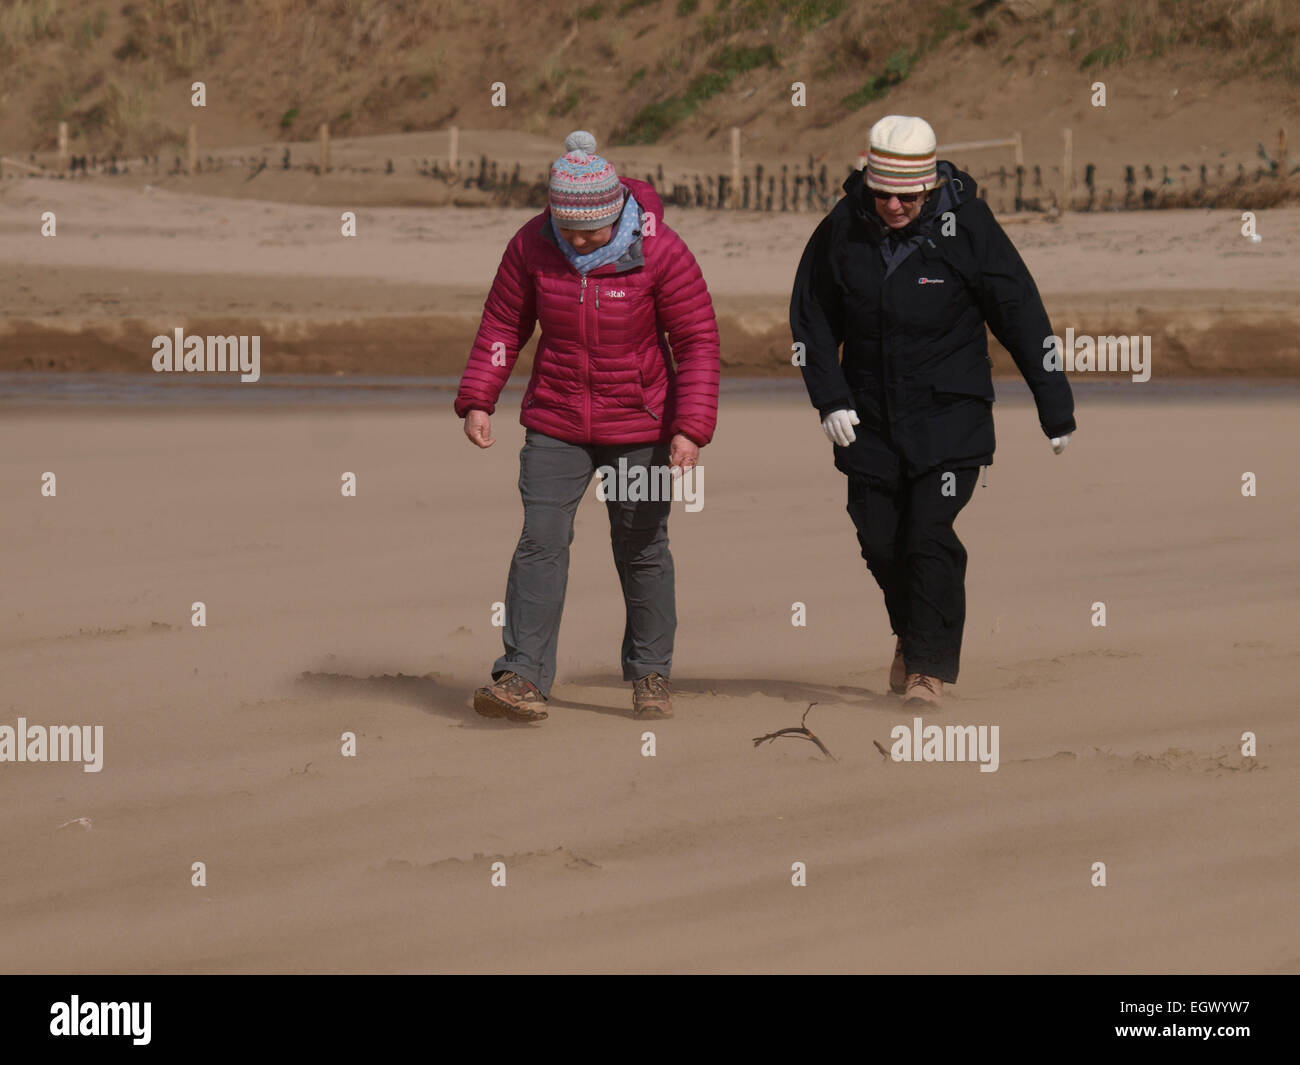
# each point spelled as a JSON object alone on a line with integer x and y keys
{"x": 585, "y": 240}
{"x": 895, "y": 210}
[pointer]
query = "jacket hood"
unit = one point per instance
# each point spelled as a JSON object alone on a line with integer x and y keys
{"x": 646, "y": 196}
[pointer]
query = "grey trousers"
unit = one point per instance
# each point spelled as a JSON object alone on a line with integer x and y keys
{"x": 553, "y": 475}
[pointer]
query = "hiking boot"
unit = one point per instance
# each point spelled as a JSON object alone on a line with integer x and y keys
{"x": 898, "y": 671}
{"x": 651, "y": 697}
{"x": 511, "y": 696}
{"x": 923, "y": 691}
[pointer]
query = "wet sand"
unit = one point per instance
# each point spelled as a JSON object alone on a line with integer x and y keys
{"x": 404, "y": 296}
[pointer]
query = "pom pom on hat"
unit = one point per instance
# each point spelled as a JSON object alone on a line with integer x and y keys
{"x": 580, "y": 141}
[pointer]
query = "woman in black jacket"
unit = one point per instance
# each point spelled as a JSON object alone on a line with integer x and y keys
{"x": 905, "y": 272}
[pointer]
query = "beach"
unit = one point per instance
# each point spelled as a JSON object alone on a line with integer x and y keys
{"x": 371, "y": 615}
{"x": 403, "y": 297}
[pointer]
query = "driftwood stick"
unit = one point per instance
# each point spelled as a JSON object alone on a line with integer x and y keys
{"x": 800, "y": 730}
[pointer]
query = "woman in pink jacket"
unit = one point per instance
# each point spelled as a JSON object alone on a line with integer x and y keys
{"x": 626, "y": 368}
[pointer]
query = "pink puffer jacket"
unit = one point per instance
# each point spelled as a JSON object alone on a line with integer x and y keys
{"x": 603, "y": 372}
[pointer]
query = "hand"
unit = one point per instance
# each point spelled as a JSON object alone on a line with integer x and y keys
{"x": 1059, "y": 442}
{"x": 838, "y": 427}
{"x": 684, "y": 452}
{"x": 478, "y": 427}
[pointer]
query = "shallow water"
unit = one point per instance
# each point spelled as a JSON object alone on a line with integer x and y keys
{"x": 34, "y": 388}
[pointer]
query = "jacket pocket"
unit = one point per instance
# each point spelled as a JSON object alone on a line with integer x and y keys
{"x": 869, "y": 406}
{"x": 645, "y": 394}
{"x": 968, "y": 380}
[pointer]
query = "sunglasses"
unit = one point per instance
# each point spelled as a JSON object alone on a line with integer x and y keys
{"x": 905, "y": 197}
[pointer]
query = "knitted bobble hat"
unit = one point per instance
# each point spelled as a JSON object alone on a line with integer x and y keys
{"x": 901, "y": 156}
{"x": 585, "y": 191}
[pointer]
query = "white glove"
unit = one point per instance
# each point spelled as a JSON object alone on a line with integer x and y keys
{"x": 1059, "y": 442}
{"x": 838, "y": 427}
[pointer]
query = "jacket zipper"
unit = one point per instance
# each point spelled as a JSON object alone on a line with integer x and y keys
{"x": 640, "y": 371}
{"x": 586, "y": 392}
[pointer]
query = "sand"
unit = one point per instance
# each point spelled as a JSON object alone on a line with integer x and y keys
{"x": 371, "y": 615}
{"x": 404, "y": 296}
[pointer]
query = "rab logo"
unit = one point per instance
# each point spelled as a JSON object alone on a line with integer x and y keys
{"x": 616, "y": 293}
{"x": 930, "y": 281}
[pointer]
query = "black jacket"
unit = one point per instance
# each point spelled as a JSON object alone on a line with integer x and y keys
{"x": 909, "y": 307}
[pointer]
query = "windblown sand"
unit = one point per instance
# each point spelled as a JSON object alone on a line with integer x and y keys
{"x": 372, "y": 615}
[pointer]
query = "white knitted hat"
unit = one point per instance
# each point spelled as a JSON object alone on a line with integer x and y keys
{"x": 901, "y": 155}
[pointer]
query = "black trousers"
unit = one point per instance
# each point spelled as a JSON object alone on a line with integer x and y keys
{"x": 910, "y": 547}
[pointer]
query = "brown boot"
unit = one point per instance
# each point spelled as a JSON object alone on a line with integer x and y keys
{"x": 923, "y": 691}
{"x": 651, "y": 697}
{"x": 898, "y": 671}
{"x": 512, "y": 696}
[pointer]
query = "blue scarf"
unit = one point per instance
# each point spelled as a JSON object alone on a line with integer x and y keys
{"x": 624, "y": 234}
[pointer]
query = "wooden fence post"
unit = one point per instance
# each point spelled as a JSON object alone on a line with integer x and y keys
{"x": 735, "y": 167}
{"x": 1067, "y": 164}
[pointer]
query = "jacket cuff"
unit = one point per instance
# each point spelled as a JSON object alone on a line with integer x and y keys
{"x": 1060, "y": 428}
{"x": 834, "y": 405}
{"x": 462, "y": 407}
